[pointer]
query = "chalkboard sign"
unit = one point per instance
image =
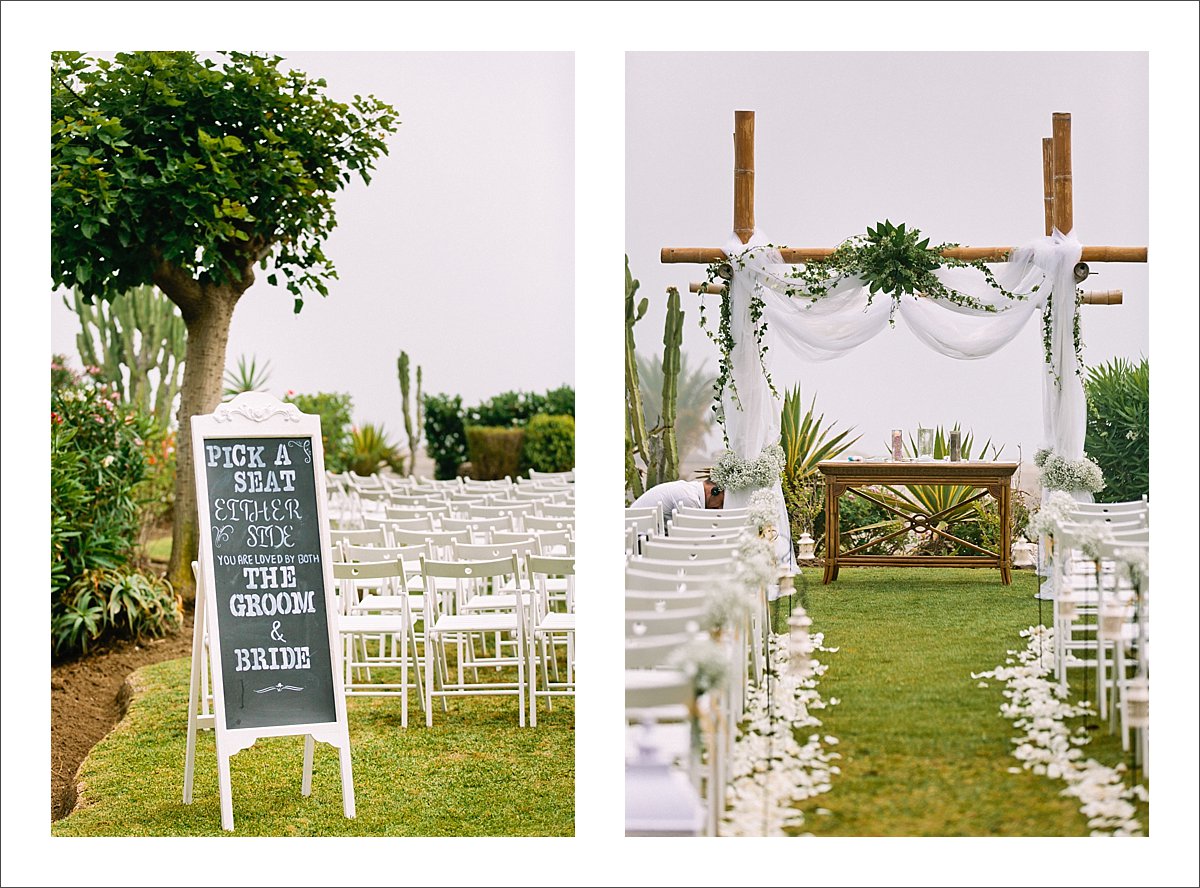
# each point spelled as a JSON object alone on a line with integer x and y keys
{"x": 270, "y": 586}
{"x": 266, "y": 620}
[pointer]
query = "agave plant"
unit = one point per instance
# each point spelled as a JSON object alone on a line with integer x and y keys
{"x": 369, "y": 449}
{"x": 806, "y": 441}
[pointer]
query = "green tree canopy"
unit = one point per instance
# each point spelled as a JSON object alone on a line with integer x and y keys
{"x": 164, "y": 163}
{"x": 187, "y": 173}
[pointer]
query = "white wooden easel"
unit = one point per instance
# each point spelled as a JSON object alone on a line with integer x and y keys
{"x": 270, "y": 417}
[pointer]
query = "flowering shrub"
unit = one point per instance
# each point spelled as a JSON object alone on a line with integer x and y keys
{"x": 97, "y": 458}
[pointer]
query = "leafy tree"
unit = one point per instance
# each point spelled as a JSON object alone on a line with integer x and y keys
{"x": 187, "y": 173}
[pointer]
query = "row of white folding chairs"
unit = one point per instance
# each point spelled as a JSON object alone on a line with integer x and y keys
{"x": 648, "y": 522}
{"x": 661, "y": 708}
{"x": 1101, "y": 620}
{"x": 494, "y": 596}
{"x": 515, "y": 515}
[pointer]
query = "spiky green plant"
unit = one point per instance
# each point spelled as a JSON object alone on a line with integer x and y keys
{"x": 248, "y": 377}
{"x": 369, "y": 449}
{"x": 806, "y": 440}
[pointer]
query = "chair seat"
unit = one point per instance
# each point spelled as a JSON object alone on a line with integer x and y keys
{"x": 556, "y": 622}
{"x": 673, "y": 741}
{"x": 416, "y": 603}
{"x": 370, "y": 623}
{"x": 499, "y": 601}
{"x": 492, "y": 622}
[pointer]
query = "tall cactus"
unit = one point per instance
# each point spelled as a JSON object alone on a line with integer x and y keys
{"x": 672, "y": 344}
{"x": 635, "y": 423}
{"x": 139, "y": 331}
{"x": 658, "y": 447}
{"x": 411, "y": 428}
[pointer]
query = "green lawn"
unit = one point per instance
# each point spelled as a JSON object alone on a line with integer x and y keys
{"x": 474, "y": 773}
{"x": 925, "y": 750}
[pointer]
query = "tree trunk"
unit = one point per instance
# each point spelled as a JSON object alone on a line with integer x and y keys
{"x": 207, "y": 312}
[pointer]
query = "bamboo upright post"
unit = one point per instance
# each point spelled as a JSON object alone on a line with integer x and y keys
{"x": 1064, "y": 213}
{"x": 1048, "y": 183}
{"x": 743, "y": 174}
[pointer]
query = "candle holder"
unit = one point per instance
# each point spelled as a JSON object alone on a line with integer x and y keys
{"x": 898, "y": 445}
{"x": 924, "y": 444}
{"x": 955, "y": 445}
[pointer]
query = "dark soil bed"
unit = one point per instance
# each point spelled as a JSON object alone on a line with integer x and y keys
{"x": 88, "y": 697}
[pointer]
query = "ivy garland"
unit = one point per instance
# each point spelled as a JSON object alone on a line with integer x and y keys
{"x": 1048, "y": 334}
{"x": 890, "y": 259}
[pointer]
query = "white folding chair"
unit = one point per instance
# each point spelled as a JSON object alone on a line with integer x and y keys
{"x": 445, "y": 627}
{"x": 394, "y": 624}
{"x": 547, "y": 627}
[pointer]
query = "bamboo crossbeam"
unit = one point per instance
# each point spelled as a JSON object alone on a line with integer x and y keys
{"x": 1094, "y": 297}
{"x": 1103, "y": 297}
{"x": 794, "y": 255}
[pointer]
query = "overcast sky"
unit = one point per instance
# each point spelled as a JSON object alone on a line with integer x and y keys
{"x": 948, "y": 142}
{"x": 431, "y": 257}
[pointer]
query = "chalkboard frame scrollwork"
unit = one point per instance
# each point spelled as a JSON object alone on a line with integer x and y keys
{"x": 256, "y": 407}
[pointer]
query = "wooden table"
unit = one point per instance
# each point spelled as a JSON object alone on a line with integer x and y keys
{"x": 987, "y": 478}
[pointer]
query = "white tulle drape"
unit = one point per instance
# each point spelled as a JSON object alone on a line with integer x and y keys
{"x": 842, "y": 319}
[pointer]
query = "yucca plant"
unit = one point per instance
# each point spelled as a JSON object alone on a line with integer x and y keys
{"x": 806, "y": 440}
{"x": 369, "y": 449}
{"x": 247, "y": 378}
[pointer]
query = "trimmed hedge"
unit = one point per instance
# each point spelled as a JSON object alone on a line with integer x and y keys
{"x": 549, "y": 444}
{"x": 494, "y": 452}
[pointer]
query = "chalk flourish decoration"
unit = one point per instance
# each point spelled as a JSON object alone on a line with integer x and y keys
{"x": 278, "y": 688}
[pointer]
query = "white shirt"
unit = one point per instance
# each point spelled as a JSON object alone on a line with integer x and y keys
{"x": 672, "y": 495}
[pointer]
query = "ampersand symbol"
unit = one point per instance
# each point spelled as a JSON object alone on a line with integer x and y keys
{"x": 275, "y": 634}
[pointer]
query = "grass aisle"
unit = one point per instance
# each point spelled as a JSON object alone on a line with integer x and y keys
{"x": 475, "y": 772}
{"x": 925, "y": 750}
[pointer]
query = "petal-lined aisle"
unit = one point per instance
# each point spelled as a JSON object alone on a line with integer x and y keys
{"x": 924, "y": 750}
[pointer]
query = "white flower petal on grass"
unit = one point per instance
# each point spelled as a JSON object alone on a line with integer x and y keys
{"x": 1036, "y": 705}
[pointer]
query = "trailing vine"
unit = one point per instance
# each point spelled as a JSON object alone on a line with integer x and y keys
{"x": 1048, "y": 334}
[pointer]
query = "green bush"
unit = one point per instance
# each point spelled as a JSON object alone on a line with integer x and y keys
{"x": 494, "y": 452}
{"x": 549, "y": 444}
{"x": 445, "y": 434}
{"x": 116, "y": 600}
{"x": 446, "y": 421}
{"x": 506, "y": 409}
{"x": 1118, "y": 427}
{"x": 561, "y": 401}
{"x": 334, "y": 409}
